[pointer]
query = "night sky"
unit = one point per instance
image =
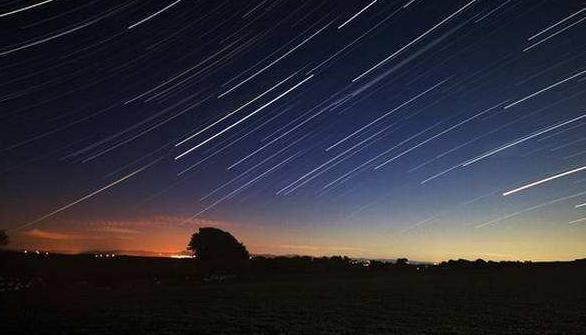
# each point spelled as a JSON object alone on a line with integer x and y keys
{"x": 421, "y": 129}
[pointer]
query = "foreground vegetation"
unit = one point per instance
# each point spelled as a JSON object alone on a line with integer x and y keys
{"x": 132, "y": 295}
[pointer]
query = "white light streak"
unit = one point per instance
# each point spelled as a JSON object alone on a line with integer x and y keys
{"x": 253, "y": 9}
{"x": 235, "y": 111}
{"x": 153, "y": 15}
{"x": 579, "y": 220}
{"x": 545, "y": 180}
{"x": 431, "y": 138}
{"x": 437, "y": 175}
{"x": 356, "y": 15}
{"x": 414, "y": 41}
{"x": 545, "y": 89}
{"x": 231, "y": 194}
{"x": 52, "y": 37}
{"x": 71, "y": 204}
{"x": 273, "y": 62}
{"x": 408, "y": 3}
{"x": 253, "y": 167}
{"x": 521, "y": 140}
{"x": 280, "y": 136}
{"x": 384, "y": 115}
{"x": 553, "y": 35}
{"x": 492, "y": 11}
{"x": 291, "y": 187}
{"x": 25, "y": 8}
{"x": 380, "y": 155}
{"x": 244, "y": 118}
{"x": 506, "y": 217}
{"x": 556, "y": 24}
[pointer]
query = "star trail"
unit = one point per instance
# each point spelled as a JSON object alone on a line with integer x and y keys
{"x": 430, "y": 129}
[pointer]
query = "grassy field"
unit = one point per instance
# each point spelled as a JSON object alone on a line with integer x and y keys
{"x": 164, "y": 298}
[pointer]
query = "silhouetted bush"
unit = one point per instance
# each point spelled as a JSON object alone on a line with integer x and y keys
{"x": 402, "y": 261}
{"x": 3, "y": 238}
{"x": 479, "y": 264}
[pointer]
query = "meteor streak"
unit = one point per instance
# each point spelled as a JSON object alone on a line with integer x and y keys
{"x": 52, "y": 37}
{"x": 244, "y": 118}
{"x": 408, "y": 3}
{"x": 25, "y": 8}
{"x": 579, "y": 220}
{"x": 274, "y": 62}
{"x": 250, "y": 182}
{"x": 291, "y": 187}
{"x": 71, "y": 204}
{"x": 384, "y": 115}
{"x": 152, "y": 15}
{"x": 506, "y": 217}
{"x": 235, "y": 111}
{"x": 431, "y": 138}
{"x": 254, "y": 167}
{"x": 556, "y": 24}
{"x": 355, "y": 15}
{"x": 521, "y": 140}
{"x": 553, "y": 35}
{"x": 545, "y": 180}
{"x": 545, "y": 89}
{"x": 413, "y": 41}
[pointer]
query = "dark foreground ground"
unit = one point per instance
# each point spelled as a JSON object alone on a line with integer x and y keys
{"x": 142, "y": 296}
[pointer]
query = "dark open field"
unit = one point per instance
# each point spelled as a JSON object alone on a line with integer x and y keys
{"x": 81, "y": 295}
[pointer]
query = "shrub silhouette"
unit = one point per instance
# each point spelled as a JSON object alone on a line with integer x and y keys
{"x": 3, "y": 238}
{"x": 402, "y": 261}
{"x": 213, "y": 244}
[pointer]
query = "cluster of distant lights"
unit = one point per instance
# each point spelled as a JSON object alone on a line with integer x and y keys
{"x": 36, "y": 252}
{"x": 181, "y": 256}
{"x": 104, "y": 255}
{"x": 46, "y": 253}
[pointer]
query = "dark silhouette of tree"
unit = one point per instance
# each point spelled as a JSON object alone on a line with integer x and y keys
{"x": 480, "y": 262}
{"x": 3, "y": 238}
{"x": 213, "y": 244}
{"x": 402, "y": 261}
